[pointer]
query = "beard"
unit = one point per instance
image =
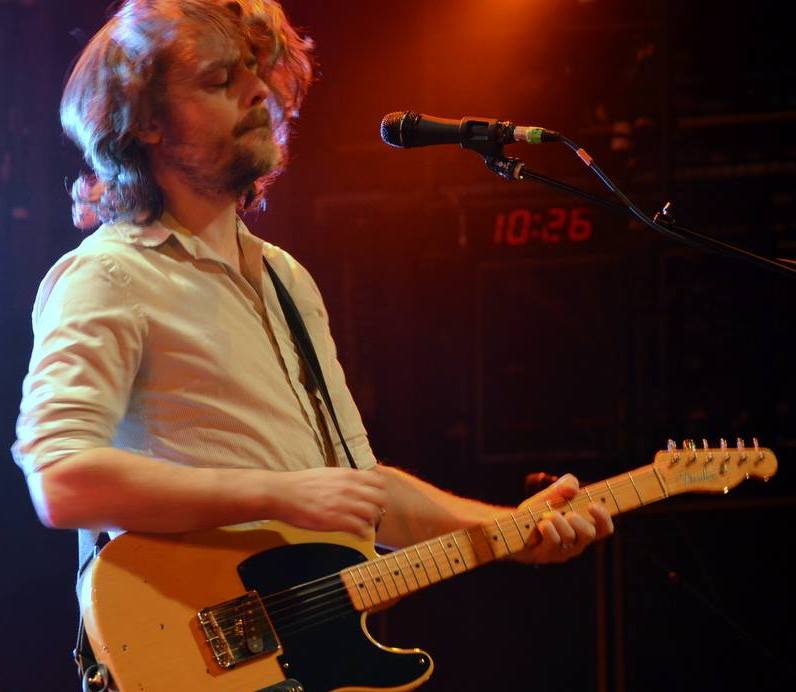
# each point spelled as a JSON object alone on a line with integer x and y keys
{"x": 218, "y": 168}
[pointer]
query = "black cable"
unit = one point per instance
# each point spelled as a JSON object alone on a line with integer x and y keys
{"x": 515, "y": 169}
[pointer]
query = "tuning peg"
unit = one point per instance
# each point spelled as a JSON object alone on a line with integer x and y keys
{"x": 758, "y": 452}
{"x": 671, "y": 446}
{"x": 741, "y": 445}
{"x": 690, "y": 445}
{"x": 725, "y": 457}
{"x": 706, "y": 447}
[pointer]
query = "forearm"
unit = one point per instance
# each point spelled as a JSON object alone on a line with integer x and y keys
{"x": 107, "y": 488}
{"x": 417, "y": 510}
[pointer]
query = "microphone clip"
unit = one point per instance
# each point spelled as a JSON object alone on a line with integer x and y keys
{"x": 485, "y": 136}
{"x": 506, "y": 167}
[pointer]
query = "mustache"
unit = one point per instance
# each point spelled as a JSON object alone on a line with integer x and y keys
{"x": 259, "y": 118}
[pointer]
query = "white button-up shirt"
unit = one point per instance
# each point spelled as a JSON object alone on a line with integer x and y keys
{"x": 147, "y": 340}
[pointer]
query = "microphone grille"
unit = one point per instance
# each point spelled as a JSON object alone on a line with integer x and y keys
{"x": 392, "y": 128}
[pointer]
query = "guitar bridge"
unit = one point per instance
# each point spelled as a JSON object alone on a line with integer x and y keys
{"x": 238, "y": 630}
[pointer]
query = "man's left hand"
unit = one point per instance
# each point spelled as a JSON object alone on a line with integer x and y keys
{"x": 559, "y": 537}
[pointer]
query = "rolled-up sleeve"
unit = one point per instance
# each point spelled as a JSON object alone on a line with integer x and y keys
{"x": 88, "y": 343}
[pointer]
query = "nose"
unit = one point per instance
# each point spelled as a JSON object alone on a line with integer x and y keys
{"x": 258, "y": 90}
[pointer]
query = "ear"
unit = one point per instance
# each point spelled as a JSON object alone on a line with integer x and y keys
{"x": 149, "y": 133}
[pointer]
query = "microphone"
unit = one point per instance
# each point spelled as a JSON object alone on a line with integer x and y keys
{"x": 484, "y": 135}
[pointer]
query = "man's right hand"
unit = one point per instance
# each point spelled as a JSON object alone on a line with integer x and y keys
{"x": 329, "y": 499}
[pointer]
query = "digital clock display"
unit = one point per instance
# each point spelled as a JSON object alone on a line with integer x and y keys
{"x": 551, "y": 226}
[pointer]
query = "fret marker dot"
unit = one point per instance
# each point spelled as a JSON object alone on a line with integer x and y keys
{"x": 395, "y": 573}
{"x": 527, "y": 526}
{"x": 378, "y": 578}
{"x": 361, "y": 586}
{"x": 456, "y": 560}
{"x": 417, "y": 565}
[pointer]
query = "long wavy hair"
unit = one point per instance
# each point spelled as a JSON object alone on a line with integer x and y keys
{"x": 117, "y": 83}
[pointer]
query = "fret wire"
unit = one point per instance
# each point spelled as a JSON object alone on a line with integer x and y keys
{"x": 474, "y": 557}
{"x": 640, "y": 499}
{"x": 608, "y": 485}
{"x": 660, "y": 480}
{"x": 383, "y": 561}
{"x": 534, "y": 520}
{"x": 489, "y": 541}
{"x": 422, "y": 564}
{"x": 400, "y": 571}
{"x": 411, "y": 569}
{"x": 588, "y": 494}
{"x": 364, "y": 581}
{"x": 502, "y": 535}
{"x": 505, "y": 520}
{"x": 355, "y": 589}
{"x": 519, "y": 531}
{"x": 445, "y": 553}
{"x": 458, "y": 547}
{"x": 432, "y": 555}
{"x": 377, "y": 582}
{"x": 433, "y": 560}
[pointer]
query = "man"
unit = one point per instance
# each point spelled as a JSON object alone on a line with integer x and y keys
{"x": 165, "y": 393}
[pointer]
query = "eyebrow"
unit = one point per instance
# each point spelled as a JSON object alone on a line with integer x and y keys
{"x": 225, "y": 63}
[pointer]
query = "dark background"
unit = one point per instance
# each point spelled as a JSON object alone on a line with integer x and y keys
{"x": 474, "y": 362}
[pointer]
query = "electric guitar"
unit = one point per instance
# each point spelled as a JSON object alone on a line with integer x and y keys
{"x": 267, "y": 607}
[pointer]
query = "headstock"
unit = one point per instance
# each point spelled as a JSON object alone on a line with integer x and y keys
{"x": 712, "y": 470}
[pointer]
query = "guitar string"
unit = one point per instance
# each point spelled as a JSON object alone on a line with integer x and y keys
{"x": 334, "y": 614}
{"x": 293, "y": 621}
{"x": 331, "y": 586}
{"x": 295, "y": 594}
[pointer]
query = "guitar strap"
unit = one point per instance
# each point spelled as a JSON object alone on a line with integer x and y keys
{"x": 91, "y": 542}
{"x": 304, "y": 344}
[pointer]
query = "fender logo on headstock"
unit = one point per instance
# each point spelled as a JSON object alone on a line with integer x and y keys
{"x": 688, "y": 478}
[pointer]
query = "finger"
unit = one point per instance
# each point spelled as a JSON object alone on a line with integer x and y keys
{"x": 358, "y": 527}
{"x": 551, "y": 539}
{"x": 364, "y": 511}
{"x": 585, "y": 529}
{"x": 564, "y": 529}
{"x": 564, "y": 488}
{"x": 603, "y": 522}
{"x": 373, "y": 496}
{"x": 370, "y": 477}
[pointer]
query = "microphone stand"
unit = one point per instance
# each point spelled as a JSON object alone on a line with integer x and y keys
{"x": 515, "y": 169}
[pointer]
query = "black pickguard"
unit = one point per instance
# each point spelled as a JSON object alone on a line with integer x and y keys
{"x": 324, "y": 645}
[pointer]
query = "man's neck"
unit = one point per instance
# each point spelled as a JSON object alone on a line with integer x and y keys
{"x": 212, "y": 218}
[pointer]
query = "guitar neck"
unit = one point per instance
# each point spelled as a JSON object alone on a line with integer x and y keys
{"x": 376, "y": 582}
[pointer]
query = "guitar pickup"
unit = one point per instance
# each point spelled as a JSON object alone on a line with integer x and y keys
{"x": 238, "y": 630}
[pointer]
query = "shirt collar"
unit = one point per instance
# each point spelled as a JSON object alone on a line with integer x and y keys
{"x": 158, "y": 232}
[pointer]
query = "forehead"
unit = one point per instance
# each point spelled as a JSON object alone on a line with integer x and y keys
{"x": 200, "y": 48}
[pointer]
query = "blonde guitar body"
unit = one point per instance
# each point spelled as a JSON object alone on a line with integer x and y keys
{"x": 141, "y": 597}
